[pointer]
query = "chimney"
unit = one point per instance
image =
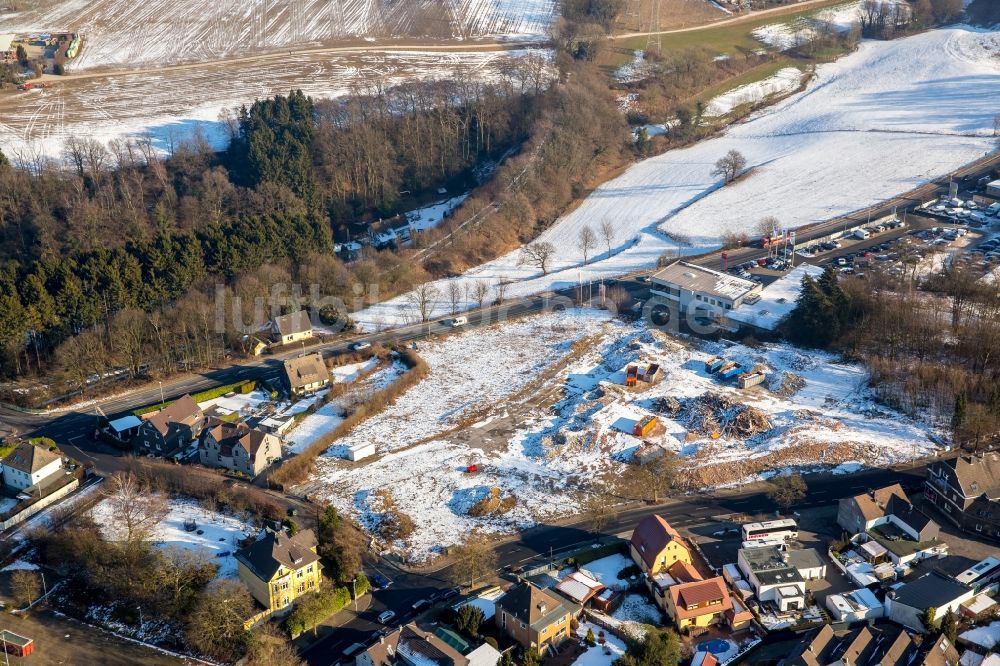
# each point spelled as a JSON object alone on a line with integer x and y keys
{"x": 541, "y": 607}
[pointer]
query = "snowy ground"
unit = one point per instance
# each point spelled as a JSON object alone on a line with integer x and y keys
{"x": 574, "y": 427}
{"x": 599, "y": 655}
{"x": 783, "y": 82}
{"x": 125, "y": 33}
{"x": 605, "y": 570}
{"x": 217, "y": 541}
{"x": 875, "y": 123}
{"x": 170, "y": 105}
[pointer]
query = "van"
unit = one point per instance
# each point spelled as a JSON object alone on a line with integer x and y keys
{"x": 861, "y": 234}
{"x": 352, "y": 650}
{"x": 459, "y": 321}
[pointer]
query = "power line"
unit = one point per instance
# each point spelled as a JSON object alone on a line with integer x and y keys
{"x": 653, "y": 38}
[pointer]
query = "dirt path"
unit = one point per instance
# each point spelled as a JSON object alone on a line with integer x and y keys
{"x": 743, "y": 18}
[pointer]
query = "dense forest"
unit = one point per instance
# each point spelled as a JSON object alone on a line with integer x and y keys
{"x": 114, "y": 261}
{"x": 929, "y": 345}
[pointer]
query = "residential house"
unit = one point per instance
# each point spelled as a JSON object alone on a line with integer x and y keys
{"x": 655, "y": 546}
{"x": 772, "y": 577}
{"x": 698, "y": 604}
{"x": 291, "y": 328}
{"x": 278, "y": 568}
{"x": 677, "y": 573}
{"x": 857, "y": 514}
{"x": 306, "y": 374}
{"x": 966, "y": 490}
{"x": 883, "y": 646}
{"x": 907, "y": 604}
{"x": 410, "y": 645}
{"x": 534, "y": 617}
{"x": 29, "y": 465}
{"x": 237, "y": 447}
{"x": 859, "y": 605}
{"x": 167, "y": 431}
{"x": 981, "y": 575}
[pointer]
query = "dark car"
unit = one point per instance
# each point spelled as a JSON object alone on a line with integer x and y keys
{"x": 450, "y": 594}
{"x": 380, "y": 581}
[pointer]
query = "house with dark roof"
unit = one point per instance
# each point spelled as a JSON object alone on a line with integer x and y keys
{"x": 856, "y": 514}
{"x": 306, "y": 374}
{"x": 237, "y": 447}
{"x": 656, "y": 546}
{"x": 907, "y": 604}
{"x": 534, "y": 617}
{"x": 410, "y": 645}
{"x": 167, "y": 431}
{"x": 29, "y": 465}
{"x": 966, "y": 490}
{"x": 772, "y": 577}
{"x": 277, "y": 568}
{"x": 291, "y": 328}
{"x": 870, "y": 646}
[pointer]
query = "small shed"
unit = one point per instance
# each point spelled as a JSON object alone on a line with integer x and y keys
{"x": 874, "y": 552}
{"x": 16, "y": 644}
{"x": 644, "y": 426}
{"x": 125, "y": 428}
{"x": 978, "y": 607}
{"x": 361, "y": 451}
{"x": 608, "y": 600}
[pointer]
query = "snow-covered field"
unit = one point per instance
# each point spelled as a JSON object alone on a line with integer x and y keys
{"x": 219, "y": 533}
{"x": 874, "y": 124}
{"x": 170, "y": 105}
{"x": 782, "y": 82}
{"x": 129, "y": 34}
{"x": 574, "y": 427}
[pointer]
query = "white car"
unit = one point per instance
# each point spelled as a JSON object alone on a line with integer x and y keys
{"x": 358, "y": 346}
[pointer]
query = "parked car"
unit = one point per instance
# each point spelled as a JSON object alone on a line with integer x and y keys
{"x": 385, "y": 617}
{"x": 358, "y": 346}
{"x": 420, "y": 605}
{"x": 450, "y": 593}
{"x": 380, "y": 581}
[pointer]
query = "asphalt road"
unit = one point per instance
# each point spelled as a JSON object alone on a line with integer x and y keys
{"x": 534, "y": 546}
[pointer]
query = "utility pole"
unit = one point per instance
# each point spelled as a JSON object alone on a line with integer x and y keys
{"x": 653, "y": 38}
{"x": 162, "y": 401}
{"x": 354, "y": 592}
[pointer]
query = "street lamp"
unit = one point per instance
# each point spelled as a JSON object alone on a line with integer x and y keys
{"x": 162, "y": 401}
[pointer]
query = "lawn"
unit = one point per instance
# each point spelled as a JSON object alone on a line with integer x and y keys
{"x": 728, "y": 39}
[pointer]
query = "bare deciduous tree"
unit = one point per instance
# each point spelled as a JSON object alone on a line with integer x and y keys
{"x": 500, "y": 289}
{"x": 480, "y": 289}
{"x": 454, "y": 296}
{"x": 135, "y": 509}
{"x": 423, "y": 299}
{"x": 607, "y": 231}
{"x": 539, "y": 254}
{"x": 474, "y": 559}
{"x": 787, "y": 490}
{"x": 730, "y": 166}
{"x": 586, "y": 242}
{"x": 25, "y": 586}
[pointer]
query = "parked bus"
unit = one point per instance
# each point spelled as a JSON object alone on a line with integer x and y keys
{"x": 770, "y": 530}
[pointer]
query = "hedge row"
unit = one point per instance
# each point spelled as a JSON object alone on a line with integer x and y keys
{"x": 245, "y": 386}
{"x": 296, "y": 470}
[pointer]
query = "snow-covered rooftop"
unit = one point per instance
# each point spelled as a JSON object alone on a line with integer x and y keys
{"x": 777, "y": 300}
{"x": 704, "y": 280}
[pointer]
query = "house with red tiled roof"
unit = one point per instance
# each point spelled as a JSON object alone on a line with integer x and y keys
{"x": 237, "y": 446}
{"x": 656, "y": 546}
{"x": 698, "y": 604}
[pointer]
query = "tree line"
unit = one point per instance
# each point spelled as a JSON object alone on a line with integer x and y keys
{"x": 928, "y": 344}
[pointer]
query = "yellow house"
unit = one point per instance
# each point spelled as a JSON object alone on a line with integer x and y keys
{"x": 278, "y": 568}
{"x": 656, "y": 546}
{"x": 699, "y": 603}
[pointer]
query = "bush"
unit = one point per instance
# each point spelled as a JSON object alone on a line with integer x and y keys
{"x": 628, "y": 572}
{"x": 591, "y": 639}
{"x": 362, "y": 585}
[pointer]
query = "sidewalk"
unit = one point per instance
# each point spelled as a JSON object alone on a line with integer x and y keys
{"x": 306, "y": 641}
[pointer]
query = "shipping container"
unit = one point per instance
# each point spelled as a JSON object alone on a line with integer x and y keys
{"x": 631, "y": 375}
{"x": 644, "y": 426}
{"x": 730, "y": 372}
{"x": 748, "y": 379}
{"x": 714, "y": 363}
